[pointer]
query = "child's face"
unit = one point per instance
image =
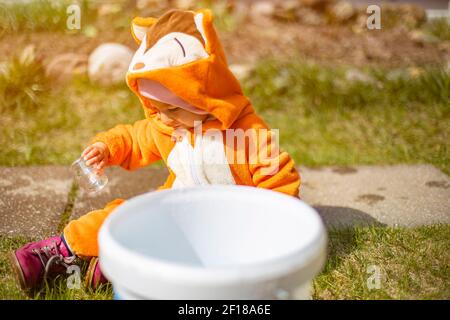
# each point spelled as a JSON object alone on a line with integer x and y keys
{"x": 176, "y": 117}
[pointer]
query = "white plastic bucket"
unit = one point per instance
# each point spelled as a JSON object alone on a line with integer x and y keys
{"x": 214, "y": 242}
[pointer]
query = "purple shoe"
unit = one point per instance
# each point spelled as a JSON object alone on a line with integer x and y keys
{"x": 94, "y": 275}
{"x": 37, "y": 261}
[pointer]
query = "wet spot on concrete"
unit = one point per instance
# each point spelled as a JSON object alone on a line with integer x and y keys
{"x": 306, "y": 184}
{"x": 315, "y": 168}
{"x": 438, "y": 184}
{"x": 344, "y": 170}
{"x": 370, "y": 198}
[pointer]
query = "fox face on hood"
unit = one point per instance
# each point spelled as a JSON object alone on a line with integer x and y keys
{"x": 180, "y": 61}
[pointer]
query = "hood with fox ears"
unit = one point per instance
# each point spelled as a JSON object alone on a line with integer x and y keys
{"x": 180, "y": 61}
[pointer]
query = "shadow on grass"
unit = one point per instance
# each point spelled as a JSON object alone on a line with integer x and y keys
{"x": 344, "y": 217}
{"x": 342, "y": 224}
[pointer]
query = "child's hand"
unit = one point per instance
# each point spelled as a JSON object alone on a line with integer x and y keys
{"x": 96, "y": 155}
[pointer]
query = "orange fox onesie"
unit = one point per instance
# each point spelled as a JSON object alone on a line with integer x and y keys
{"x": 180, "y": 60}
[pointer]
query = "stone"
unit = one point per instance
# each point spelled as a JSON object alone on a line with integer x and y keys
{"x": 342, "y": 11}
{"x": 399, "y": 195}
{"x": 108, "y": 63}
{"x": 33, "y": 199}
{"x": 358, "y": 76}
{"x": 310, "y": 16}
{"x": 184, "y": 4}
{"x": 406, "y": 15}
{"x": 317, "y": 4}
{"x": 109, "y": 9}
{"x": 122, "y": 184}
{"x": 241, "y": 71}
{"x": 151, "y": 4}
{"x": 286, "y": 11}
{"x": 262, "y": 9}
{"x": 420, "y": 37}
{"x": 63, "y": 67}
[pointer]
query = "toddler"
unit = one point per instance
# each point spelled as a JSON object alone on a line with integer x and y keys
{"x": 197, "y": 121}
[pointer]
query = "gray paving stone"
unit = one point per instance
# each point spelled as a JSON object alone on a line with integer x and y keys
{"x": 400, "y": 195}
{"x": 32, "y": 199}
{"x": 122, "y": 184}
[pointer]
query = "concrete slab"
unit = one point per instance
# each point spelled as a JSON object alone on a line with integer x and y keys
{"x": 400, "y": 195}
{"x": 122, "y": 184}
{"x": 32, "y": 199}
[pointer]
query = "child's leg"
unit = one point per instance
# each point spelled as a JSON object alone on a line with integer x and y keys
{"x": 81, "y": 234}
{"x": 39, "y": 260}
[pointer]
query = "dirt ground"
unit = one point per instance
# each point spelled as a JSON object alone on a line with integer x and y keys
{"x": 325, "y": 44}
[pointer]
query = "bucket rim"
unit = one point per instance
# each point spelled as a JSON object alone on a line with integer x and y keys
{"x": 175, "y": 272}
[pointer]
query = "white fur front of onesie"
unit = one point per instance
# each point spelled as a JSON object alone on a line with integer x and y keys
{"x": 203, "y": 164}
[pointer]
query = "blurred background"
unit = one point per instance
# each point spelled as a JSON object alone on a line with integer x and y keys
{"x": 340, "y": 92}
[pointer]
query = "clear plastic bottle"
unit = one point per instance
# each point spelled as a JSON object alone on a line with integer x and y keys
{"x": 87, "y": 177}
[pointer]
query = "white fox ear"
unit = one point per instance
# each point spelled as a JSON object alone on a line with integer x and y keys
{"x": 198, "y": 18}
{"x": 204, "y": 22}
{"x": 139, "y": 27}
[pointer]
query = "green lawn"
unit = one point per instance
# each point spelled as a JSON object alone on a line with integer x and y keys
{"x": 342, "y": 116}
{"x": 324, "y": 115}
{"x": 412, "y": 263}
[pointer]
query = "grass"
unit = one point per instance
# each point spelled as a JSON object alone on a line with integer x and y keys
{"x": 54, "y": 290}
{"x": 438, "y": 28}
{"x": 41, "y": 15}
{"x": 330, "y": 116}
{"x": 413, "y": 263}
{"x": 36, "y": 15}
{"x": 22, "y": 82}
{"x": 326, "y": 116}
{"x": 58, "y": 132}
{"x": 53, "y": 126}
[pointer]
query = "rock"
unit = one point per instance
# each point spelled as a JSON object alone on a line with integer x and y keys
{"x": 108, "y": 63}
{"x": 407, "y": 15}
{"x": 262, "y": 9}
{"x": 359, "y": 56}
{"x": 109, "y": 8}
{"x": 396, "y": 75}
{"x": 151, "y": 4}
{"x": 415, "y": 72}
{"x": 376, "y": 48}
{"x": 320, "y": 5}
{"x": 360, "y": 24}
{"x": 421, "y": 37}
{"x": 241, "y": 71}
{"x": 358, "y": 76}
{"x": 184, "y": 4}
{"x": 341, "y": 12}
{"x": 240, "y": 11}
{"x": 444, "y": 47}
{"x": 310, "y": 17}
{"x": 63, "y": 67}
{"x": 414, "y": 16}
{"x": 90, "y": 31}
{"x": 286, "y": 11}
